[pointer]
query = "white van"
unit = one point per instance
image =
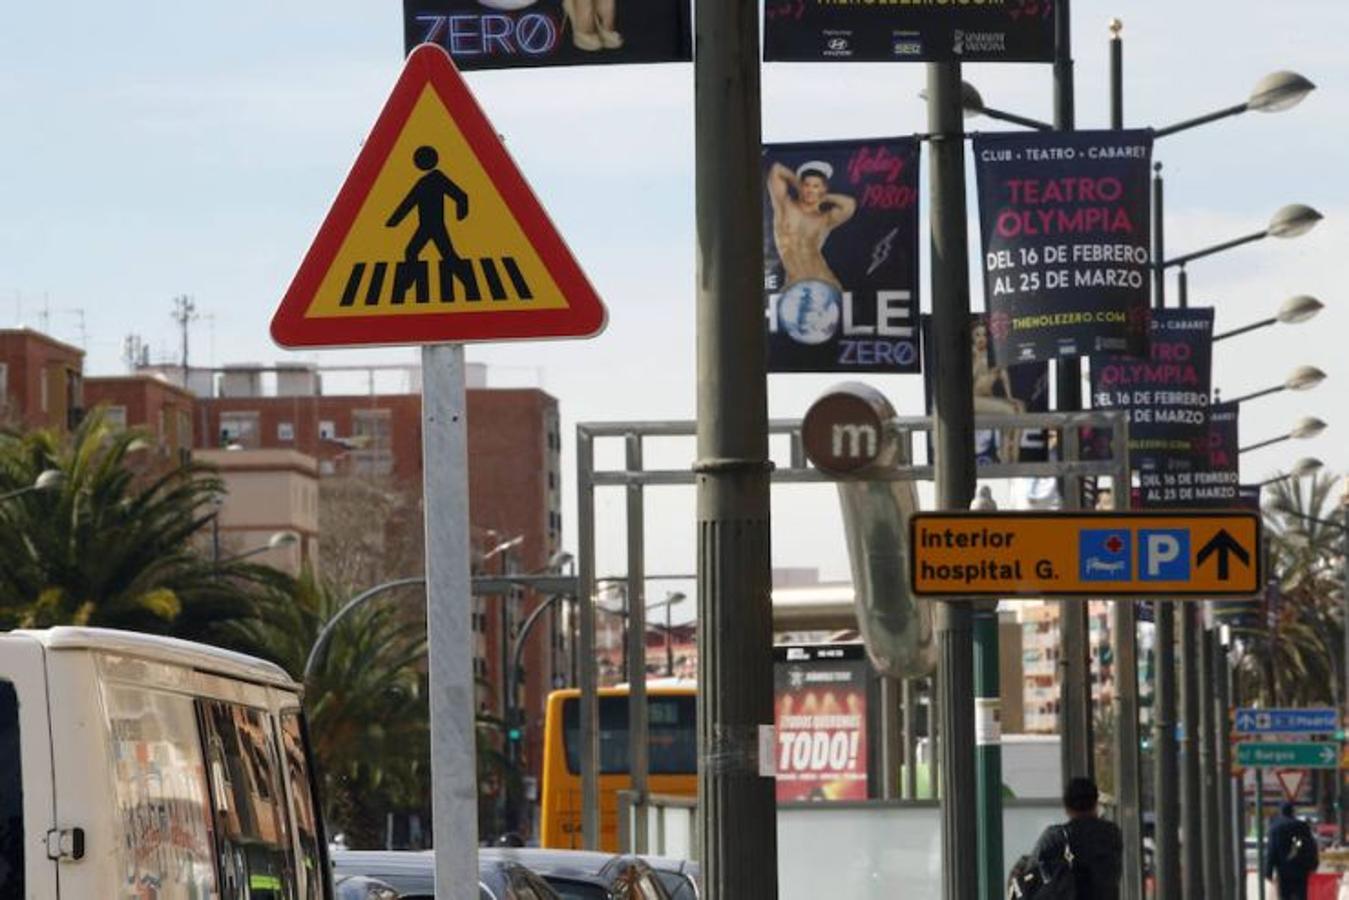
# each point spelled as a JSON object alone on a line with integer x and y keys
{"x": 134, "y": 766}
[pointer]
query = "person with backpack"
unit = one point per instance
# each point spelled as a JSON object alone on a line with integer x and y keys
{"x": 1291, "y": 853}
{"x": 1080, "y": 859}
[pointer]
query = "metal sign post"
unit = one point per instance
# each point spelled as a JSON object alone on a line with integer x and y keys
{"x": 449, "y": 629}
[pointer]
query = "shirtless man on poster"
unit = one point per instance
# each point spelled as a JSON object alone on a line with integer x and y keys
{"x": 804, "y": 214}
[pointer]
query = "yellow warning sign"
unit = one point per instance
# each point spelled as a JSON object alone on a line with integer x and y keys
{"x": 435, "y": 236}
{"x": 1085, "y": 554}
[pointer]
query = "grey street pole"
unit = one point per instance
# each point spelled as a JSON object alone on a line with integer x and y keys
{"x": 1341, "y": 775}
{"x": 1227, "y": 814}
{"x": 454, "y": 770}
{"x": 1124, "y": 621}
{"x": 953, "y": 441}
{"x": 988, "y": 735}
{"x": 1075, "y": 723}
{"x": 1187, "y": 666}
{"x": 638, "y": 737}
{"x": 588, "y": 680}
{"x": 737, "y": 814}
{"x": 1166, "y": 829}
{"x": 1208, "y": 761}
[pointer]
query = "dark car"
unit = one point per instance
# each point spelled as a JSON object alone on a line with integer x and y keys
{"x": 412, "y": 874}
{"x": 583, "y": 875}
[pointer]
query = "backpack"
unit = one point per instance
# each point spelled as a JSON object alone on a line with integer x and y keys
{"x": 1302, "y": 853}
{"x": 1057, "y": 880}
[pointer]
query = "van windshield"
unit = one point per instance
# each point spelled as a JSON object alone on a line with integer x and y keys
{"x": 11, "y": 796}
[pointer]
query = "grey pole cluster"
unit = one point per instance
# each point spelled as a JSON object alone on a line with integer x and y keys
{"x": 736, "y": 803}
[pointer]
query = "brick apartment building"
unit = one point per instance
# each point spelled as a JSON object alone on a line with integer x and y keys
{"x": 41, "y": 381}
{"x": 515, "y": 491}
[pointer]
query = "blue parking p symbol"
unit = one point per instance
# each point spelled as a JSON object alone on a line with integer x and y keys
{"x": 1164, "y": 554}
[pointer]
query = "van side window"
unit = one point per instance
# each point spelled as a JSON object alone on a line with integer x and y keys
{"x": 11, "y": 796}
{"x": 307, "y": 818}
{"x": 159, "y": 781}
{"x": 252, "y": 837}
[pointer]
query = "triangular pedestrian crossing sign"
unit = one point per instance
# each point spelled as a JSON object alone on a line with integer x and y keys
{"x": 435, "y": 237}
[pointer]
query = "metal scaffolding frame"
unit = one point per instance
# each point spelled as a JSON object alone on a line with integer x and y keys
{"x": 634, "y": 477}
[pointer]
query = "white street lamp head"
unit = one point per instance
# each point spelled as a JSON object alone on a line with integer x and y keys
{"x": 1308, "y": 427}
{"x": 1293, "y": 220}
{"x": 558, "y": 560}
{"x": 49, "y": 480}
{"x": 1299, "y": 309}
{"x": 1304, "y": 378}
{"x": 1279, "y": 91}
{"x": 282, "y": 539}
{"x": 971, "y": 101}
{"x": 1116, "y": 26}
{"x": 1308, "y": 465}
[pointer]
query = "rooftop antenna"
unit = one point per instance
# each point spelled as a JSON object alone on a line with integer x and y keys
{"x": 184, "y": 312}
{"x": 78, "y": 312}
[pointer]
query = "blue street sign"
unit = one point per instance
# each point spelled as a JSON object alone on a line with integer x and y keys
{"x": 1315, "y": 720}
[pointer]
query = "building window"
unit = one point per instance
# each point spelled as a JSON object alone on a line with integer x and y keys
{"x": 115, "y": 417}
{"x": 327, "y": 430}
{"x": 285, "y": 431}
{"x": 44, "y": 392}
{"x": 4, "y": 382}
{"x": 184, "y": 429}
{"x": 239, "y": 428}
{"x": 371, "y": 434}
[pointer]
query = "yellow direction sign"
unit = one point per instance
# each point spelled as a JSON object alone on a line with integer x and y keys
{"x": 1085, "y": 554}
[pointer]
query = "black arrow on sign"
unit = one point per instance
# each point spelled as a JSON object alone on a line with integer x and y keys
{"x": 1226, "y": 547}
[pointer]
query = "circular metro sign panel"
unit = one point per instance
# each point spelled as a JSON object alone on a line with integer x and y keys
{"x": 845, "y": 432}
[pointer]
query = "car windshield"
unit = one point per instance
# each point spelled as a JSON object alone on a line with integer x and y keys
{"x": 577, "y": 890}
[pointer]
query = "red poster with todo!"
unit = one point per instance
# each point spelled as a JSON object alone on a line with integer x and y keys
{"x": 820, "y": 711}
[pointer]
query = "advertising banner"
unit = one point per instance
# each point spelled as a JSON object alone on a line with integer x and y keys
{"x": 499, "y": 34}
{"x": 998, "y": 391}
{"x": 909, "y": 31}
{"x": 820, "y": 710}
{"x": 1066, "y": 232}
{"x": 840, "y": 236}
{"x": 1167, "y": 397}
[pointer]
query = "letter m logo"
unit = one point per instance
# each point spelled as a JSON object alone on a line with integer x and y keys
{"x": 855, "y": 441}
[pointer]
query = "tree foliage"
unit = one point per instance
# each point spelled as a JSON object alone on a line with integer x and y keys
{"x": 1293, "y": 655}
{"x": 112, "y": 544}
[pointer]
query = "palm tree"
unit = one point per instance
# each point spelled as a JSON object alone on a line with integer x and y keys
{"x": 113, "y": 544}
{"x": 1294, "y": 656}
{"x": 365, "y": 701}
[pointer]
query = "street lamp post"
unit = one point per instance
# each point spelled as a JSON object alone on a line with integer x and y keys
{"x": 1273, "y": 93}
{"x": 279, "y": 540}
{"x": 47, "y": 480}
{"x": 1303, "y": 378}
{"x": 1293, "y": 311}
{"x": 1303, "y": 429}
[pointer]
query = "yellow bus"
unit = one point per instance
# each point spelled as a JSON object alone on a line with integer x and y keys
{"x": 674, "y": 757}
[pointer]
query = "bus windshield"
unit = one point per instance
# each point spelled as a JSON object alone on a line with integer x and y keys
{"x": 673, "y": 727}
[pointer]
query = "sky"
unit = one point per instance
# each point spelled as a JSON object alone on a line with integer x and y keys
{"x": 157, "y": 148}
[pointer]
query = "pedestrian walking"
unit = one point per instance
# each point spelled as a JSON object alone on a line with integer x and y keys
{"x": 1291, "y": 854}
{"x": 1080, "y": 859}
